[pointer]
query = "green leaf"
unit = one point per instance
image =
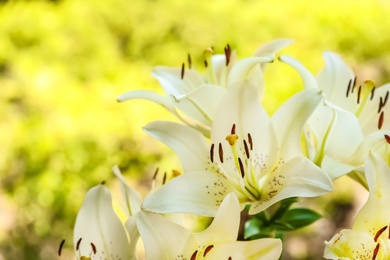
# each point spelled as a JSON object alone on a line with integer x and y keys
{"x": 254, "y": 229}
{"x": 297, "y": 218}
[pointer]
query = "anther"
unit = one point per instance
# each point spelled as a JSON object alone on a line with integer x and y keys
{"x": 193, "y": 257}
{"x": 206, "y": 63}
{"x": 164, "y": 178}
{"x": 212, "y": 153}
{"x": 78, "y": 244}
{"x": 228, "y": 53}
{"x": 93, "y": 248}
{"x": 387, "y": 137}
{"x": 358, "y": 94}
{"x": 246, "y": 149}
{"x": 376, "y": 250}
{"x": 182, "y": 70}
{"x": 379, "y": 233}
{"x": 241, "y": 167}
{"x": 372, "y": 93}
{"x": 381, "y": 119}
{"x": 233, "y": 131}
{"x": 189, "y": 61}
{"x": 60, "y": 248}
{"x": 250, "y": 141}
{"x": 354, "y": 82}
{"x": 155, "y": 173}
{"x": 349, "y": 87}
{"x": 220, "y": 152}
{"x": 208, "y": 249}
{"x": 383, "y": 101}
{"x": 103, "y": 182}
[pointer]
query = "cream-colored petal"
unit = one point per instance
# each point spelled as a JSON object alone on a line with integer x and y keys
{"x": 98, "y": 224}
{"x": 309, "y": 81}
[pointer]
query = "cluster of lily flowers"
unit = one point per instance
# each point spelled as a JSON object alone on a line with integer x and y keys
{"x": 235, "y": 157}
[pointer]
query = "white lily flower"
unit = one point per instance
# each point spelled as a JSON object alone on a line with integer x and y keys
{"x": 336, "y": 130}
{"x": 98, "y": 232}
{"x": 193, "y": 97}
{"x": 257, "y": 158}
{"x": 164, "y": 239}
{"x": 369, "y": 237}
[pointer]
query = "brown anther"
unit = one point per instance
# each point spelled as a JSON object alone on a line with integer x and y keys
{"x": 354, "y": 82}
{"x": 372, "y": 93}
{"x": 233, "y": 131}
{"x": 246, "y": 149}
{"x": 220, "y": 152}
{"x": 387, "y": 138}
{"x": 189, "y": 61}
{"x": 383, "y": 101}
{"x": 250, "y": 141}
{"x": 182, "y": 70}
{"x": 78, "y": 244}
{"x": 228, "y": 53}
{"x": 230, "y": 258}
{"x": 379, "y": 233}
{"x": 376, "y": 250}
{"x": 212, "y": 153}
{"x": 208, "y": 249}
{"x": 232, "y": 139}
{"x": 358, "y": 94}
{"x": 349, "y": 87}
{"x": 93, "y": 248}
{"x": 381, "y": 119}
{"x": 193, "y": 257}
{"x": 206, "y": 63}
{"x": 60, "y": 248}
{"x": 164, "y": 178}
{"x": 103, "y": 182}
{"x": 241, "y": 168}
{"x": 155, "y": 173}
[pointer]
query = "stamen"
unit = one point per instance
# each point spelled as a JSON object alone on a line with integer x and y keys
{"x": 193, "y": 257}
{"x": 93, "y": 248}
{"x": 175, "y": 173}
{"x": 387, "y": 137}
{"x": 349, "y": 87}
{"x": 382, "y": 102}
{"x": 164, "y": 178}
{"x": 246, "y": 149}
{"x": 359, "y": 93}
{"x": 228, "y": 53}
{"x": 155, "y": 173}
{"x": 220, "y": 152}
{"x": 208, "y": 249}
{"x": 78, "y": 244}
{"x": 381, "y": 119}
{"x": 182, "y": 70}
{"x": 103, "y": 182}
{"x": 212, "y": 153}
{"x": 230, "y": 258}
{"x": 232, "y": 139}
{"x": 241, "y": 167}
{"x": 372, "y": 93}
{"x": 60, "y": 248}
{"x": 250, "y": 141}
{"x": 379, "y": 233}
{"x": 354, "y": 84}
{"x": 205, "y": 63}
{"x": 189, "y": 61}
{"x": 233, "y": 131}
{"x": 376, "y": 250}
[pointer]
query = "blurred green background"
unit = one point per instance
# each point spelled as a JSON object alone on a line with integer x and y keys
{"x": 63, "y": 63}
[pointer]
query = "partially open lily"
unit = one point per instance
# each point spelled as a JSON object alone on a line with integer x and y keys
{"x": 166, "y": 240}
{"x": 98, "y": 232}
{"x": 369, "y": 237}
{"x": 336, "y": 129}
{"x": 192, "y": 96}
{"x": 257, "y": 158}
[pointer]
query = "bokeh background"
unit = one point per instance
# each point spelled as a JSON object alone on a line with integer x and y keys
{"x": 63, "y": 63}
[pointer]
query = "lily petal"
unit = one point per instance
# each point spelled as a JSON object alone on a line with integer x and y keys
{"x": 193, "y": 192}
{"x": 163, "y": 239}
{"x": 309, "y": 81}
{"x": 189, "y": 144}
{"x": 290, "y": 118}
{"x": 375, "y": 214}
{"x": 260, "y": 249}
{"x": 272, "y": 47}
{"x": 97, "y": 224}
{"x": 149, "y": 95}
{"x": 298, "y": 177}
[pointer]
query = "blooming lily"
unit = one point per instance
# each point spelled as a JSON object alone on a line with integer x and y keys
{"x": 336, "y": 130}
{"x": 164, "y": 239}
{"x": 257, "y": 158}
{"x": 193, "y": 97}
{"x": 98, "y": 232}
{"x": 369, "y": 237}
